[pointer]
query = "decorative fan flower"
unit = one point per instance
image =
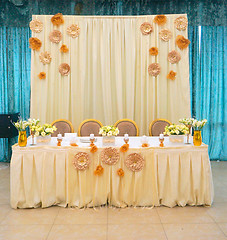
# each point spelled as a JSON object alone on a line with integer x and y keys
{"x": 64, "y": 48}
{"x": 120, "y": 172}
{"x": 81, "y": 161}
{"x": 36, "y": 26}
{"x": 181, "y": 23}
{"x": 64, "y": 69}
{"x": 42, "y": 75}
{"x": 73, "y": 30}
{"x": 35, "y": 43}
{"x": 154, "y": 69}
{"x": 45, "y": 57}
{"x": 99, "y": 170}
{"x": 55, "y": 36}
{"x": 160, "y": 19}
{"x": 110, "y": 156}
{"x": 94, "y": 149}
{"x": 153, "y": 51}
{"x": 171, "y": 75}
{"x": 165, "y": 35}
{"x": 135, "y": 162}
{"x": 124, "y": 148}
{"x": 174, "y": 56}
{"x": 182, "y": 42}
{"x": 146, "y": 28}
{"x": 57, "y": 19}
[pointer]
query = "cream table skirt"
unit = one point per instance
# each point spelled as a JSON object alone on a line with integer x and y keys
{"x": 42, "y": 176}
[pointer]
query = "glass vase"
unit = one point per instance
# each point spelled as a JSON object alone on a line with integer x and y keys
{"x": 22, "y": 139}
{"x": 197, "y": 138}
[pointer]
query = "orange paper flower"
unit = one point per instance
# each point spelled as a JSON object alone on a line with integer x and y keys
{"x": 73, "y": 144}
{"x": 120, "y": 172}
{"x": 124, "y": 148}
{"x": 57, "y": 19}
{"x": 160, "y": 19}
{"x": 145, "y": 145}
{"x": 42, "y": 75}
{"x": 94, "y": 149}
{"x": 35, "y": 43}
{"x": 182, "y": 42}
{"x": 171, "y": 75}
{"x": 153, "y": 51}
{"x": 64, "y": 48}
{"x": 99, "y": 170}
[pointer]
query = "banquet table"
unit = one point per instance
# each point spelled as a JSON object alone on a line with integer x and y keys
{"x": 176, "y": 174}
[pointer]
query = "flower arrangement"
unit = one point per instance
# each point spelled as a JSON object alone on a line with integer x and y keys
{"x": 186, "y": 121}
{"x": 20, "y": 125}
{"x": 33, "y": 123}
{"x": 176, "y": 130}
{"x": 44, "y": 130}
{"x": 109, "y": 131}
{"x": 198, "y": 125}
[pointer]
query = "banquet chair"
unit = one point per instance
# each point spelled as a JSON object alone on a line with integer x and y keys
{"x": 89, "y": 126}
{"x": 127, "y": 126}
{"x": 158, "y": 126}
{"x": 63, "y": 126}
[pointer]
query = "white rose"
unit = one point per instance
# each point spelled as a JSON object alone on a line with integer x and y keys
{"x": 109, "y": 134}
{"x": 43, "y": 134}
{"x": 104, "y": 134}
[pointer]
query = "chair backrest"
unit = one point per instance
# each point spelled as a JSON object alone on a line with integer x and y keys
{"x": 127, "y": 126}
{"x": 89, "y": 126}
{"x": 158, "y": 126}
{"x": 63, "y": 126}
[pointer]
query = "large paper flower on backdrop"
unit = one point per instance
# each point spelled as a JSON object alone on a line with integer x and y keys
{"x": 174, "y": 56}
{"x": 181, "y": 23}
{"x": 57, "y": 19}
{"x": 165, "y": 35}
{"x": 55, "y": 36}
{"x": 146, "y": 28}
{"x": 81, "y": 161}
{"x": 64, "y": 69}
{"x": 182, "y": 42}
{"x": 110, "y": 156}
{"x": 135, "y": 162}
{"x": 73, "y": 30}
{"x": 45, "y": 57}
{"x": 35, "y": 43}
{"x": 36, "y": 26}
{"x": 171, "y": 75}
{"x": 154, "y": 69}
{"x": 160, "y": 19}
{"x": 153, "y": 51}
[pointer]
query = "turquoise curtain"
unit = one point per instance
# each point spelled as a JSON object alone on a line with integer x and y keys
{"x": 15, "y": 58}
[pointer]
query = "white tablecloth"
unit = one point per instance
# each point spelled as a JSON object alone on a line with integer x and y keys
{"x": 177, "y": 174}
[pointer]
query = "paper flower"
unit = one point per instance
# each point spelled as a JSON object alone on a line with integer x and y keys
{"x": 45, "y": 57}
{"x": 124, "y": 148}
{"x": 145, "y": 145}
{"x": 182, "y": 42}
{"x": 153, "y": 51}
{"x": 36, "y": 26}
{"x": 120, "y": 172}
{"x": 146, "y": 28}
{"x": 73, "y": 30}
{"x": 99, "y": 170}
{"x": 165, "y": 35}
{"x": 57, "y": 19}
{"x": 73, "y": 145}
{"x": 93, "y": 149}
{"x": 110, "y": 156}
{"x": 135, "y": 162}
{"x": 64, "y": 48}
{"x": 171, "y": 75}
{"x": 81, "y": 161}
{"x": 154, "y": 69}
{"x": 42, "y": 75}
{"x": 160, "y": 19}
{"x": 64, "y": 69}
{"x": 181, "y": 23}
{"x": 174, "y": 57}
{"x": 35, "y": 43}
{"x": 55, "y": 36}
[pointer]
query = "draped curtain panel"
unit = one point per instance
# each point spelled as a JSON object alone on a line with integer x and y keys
{"x": 109, "y": 77}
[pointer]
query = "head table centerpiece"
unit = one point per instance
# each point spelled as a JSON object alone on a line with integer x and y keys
{"x": 43, "y": 132}
{"x": 176, "y": 132}
{"x": 109, "y": 133}
{"x": 198, "y": 125}
{"x": 21, "y": 127}
{"x": 33, "y": 123}
{"x": 188, "y": 123}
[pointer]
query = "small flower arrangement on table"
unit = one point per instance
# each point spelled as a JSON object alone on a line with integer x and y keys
{"x": 21, "y": 126}
{"x": 176, "y": 132}
{"x": 33, "y": 123}
{"x": 109, "y": 131}
{"x": 188, "y": 123}
{"x": 44, "y": 132}
{"x": 198, "y": 125}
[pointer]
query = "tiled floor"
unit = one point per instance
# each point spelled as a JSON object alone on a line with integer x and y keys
{"x": 57, "y": 223}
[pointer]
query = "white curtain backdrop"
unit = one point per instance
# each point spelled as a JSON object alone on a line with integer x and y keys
{"x": 109, "y": 77}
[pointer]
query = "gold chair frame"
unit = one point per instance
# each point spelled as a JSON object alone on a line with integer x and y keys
{"x": 88, "y": 120}
{"x": 128, "y": 120}
{"x": 156, "y": 120}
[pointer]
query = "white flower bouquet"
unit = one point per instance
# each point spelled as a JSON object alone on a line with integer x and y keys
{"x": 176, "y": 130}
{"x": 198, "y": 125}
{"x": 21, "y": 125}
{"x": 186, "y": 121}
{"x": 109, "y": 131}
{"x": 44, "y": 130}
{"x": 33, "y": 123}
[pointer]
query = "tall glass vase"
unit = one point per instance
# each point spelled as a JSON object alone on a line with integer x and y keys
{"x": 197, "y": 138}
{"x": 22, "y": 139}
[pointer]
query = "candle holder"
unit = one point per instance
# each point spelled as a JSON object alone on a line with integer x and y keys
{"x": 126, "y": 140}
{"x": 33, "y": 137}
{"x": 161, "y": 140}
{"x": 59, "y": 142}
{"x": 188, "y": 135}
